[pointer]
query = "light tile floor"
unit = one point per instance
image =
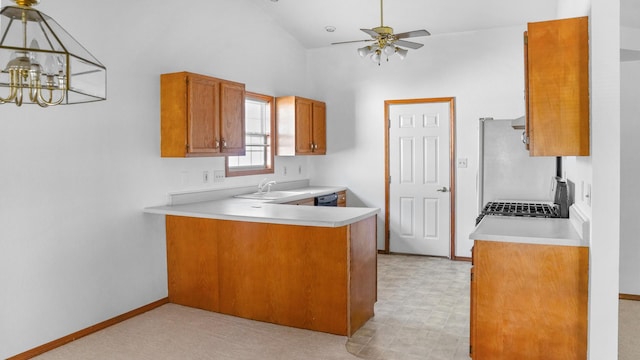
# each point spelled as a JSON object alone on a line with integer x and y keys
{"x": 422, "y": 311}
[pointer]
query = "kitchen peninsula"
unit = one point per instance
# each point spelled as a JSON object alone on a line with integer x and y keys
{"x": 301, "y": 266}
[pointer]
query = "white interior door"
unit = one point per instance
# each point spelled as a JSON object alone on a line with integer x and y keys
{"x": 419, "y": 166}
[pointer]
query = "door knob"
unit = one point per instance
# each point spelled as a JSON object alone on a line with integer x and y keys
{"x": 444, "y": 189}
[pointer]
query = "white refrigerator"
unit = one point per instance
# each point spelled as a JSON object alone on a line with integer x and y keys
{"x": 506, "y": 171}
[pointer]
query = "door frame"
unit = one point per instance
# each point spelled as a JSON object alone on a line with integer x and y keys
{"x": 452, "y": 168}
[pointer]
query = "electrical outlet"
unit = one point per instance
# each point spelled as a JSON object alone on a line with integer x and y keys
{"x": 284, "y": 170}
{"x": 588, "y": 194}
{"x": 462, "y": 162}
{"x": 205, "y": 176}
{"x": 218, "y": 176}
{"x": 299, "y": 169}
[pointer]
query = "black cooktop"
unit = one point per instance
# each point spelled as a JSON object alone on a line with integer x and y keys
{"x": 516, "y": 208}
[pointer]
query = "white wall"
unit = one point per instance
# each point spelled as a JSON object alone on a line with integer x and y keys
{"x": 605, "y": 162}
{"x": 483, "y": 70}
{"x": 75, "y": 247}
{"x": 630, "y": 169}
{"x": 629, "y": 178}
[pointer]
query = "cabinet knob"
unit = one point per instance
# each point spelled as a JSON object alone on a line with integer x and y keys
{"x": 217, "y": 143}
{"x": 224, "y": 143}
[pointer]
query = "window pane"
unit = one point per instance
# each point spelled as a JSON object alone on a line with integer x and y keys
{"x": 258, "y": 124}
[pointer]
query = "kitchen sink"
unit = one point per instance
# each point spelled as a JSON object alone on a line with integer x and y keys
{"x": 271, "y": 195}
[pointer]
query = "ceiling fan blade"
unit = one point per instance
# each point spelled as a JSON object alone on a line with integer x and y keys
{"x": 409, "y": 44}
{"x": 372, "y": 33}
{"x": 352, "y": 41}
{"x": 410, "y": 34}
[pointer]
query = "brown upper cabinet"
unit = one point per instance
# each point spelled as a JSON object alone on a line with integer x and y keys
{"x": 557, "y": 87}
{"x": 301, "y": 126}
{"x": 201, "y": 116}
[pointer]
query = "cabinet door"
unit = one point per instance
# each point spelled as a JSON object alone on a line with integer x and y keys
{"x": 319, "y": 128}
{"x": 558, "y": 87}
{"x": 203, "y": 118}
{"x": 232, "y": 118}
{"x": 304, "y": 118}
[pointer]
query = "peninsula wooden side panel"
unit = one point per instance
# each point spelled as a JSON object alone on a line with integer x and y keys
{"x": 192, "y": 269}
{"x": 363, "y": 280}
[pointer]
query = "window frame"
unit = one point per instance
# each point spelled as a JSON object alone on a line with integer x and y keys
{"x": 270, "y": 100}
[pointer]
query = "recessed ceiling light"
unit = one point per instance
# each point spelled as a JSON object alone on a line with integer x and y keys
{"x": 330, "y": 28}
{"x": 274, "y": 0}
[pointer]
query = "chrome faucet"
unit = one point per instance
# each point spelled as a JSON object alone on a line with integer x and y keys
{"x": 265, "y": 183}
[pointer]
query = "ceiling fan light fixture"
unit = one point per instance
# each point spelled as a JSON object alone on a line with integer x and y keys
{"x": 364, "y": 51}
{"x": 389, "y": 49}
{"x": 402, "y": 53}
{"x": 385, "y": 42}
{"x": 375, "y": 57}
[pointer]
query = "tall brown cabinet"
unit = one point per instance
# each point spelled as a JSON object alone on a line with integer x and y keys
{"x": 557, "y": 87}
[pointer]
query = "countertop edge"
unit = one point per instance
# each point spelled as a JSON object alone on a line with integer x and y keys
{"x": 166, "y": 210}
{"x": 537, "y": 231}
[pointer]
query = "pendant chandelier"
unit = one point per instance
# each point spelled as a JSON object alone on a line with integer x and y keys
{"x": 40, "y": 63}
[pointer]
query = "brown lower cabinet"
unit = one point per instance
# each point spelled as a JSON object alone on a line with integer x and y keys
{"x": 317, "y": 278}
{"x": 528, "y": 301}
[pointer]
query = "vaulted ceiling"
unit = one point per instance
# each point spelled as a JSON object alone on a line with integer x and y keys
{"x": 306, "y": 19}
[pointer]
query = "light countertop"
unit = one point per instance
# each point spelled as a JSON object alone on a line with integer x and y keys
{"x": 529, "y": 230}
{"x": 271, "y": 211}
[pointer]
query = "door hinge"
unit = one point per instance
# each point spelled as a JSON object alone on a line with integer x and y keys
{"x": 389, "y": 179}
{"x": 470, "y": 350}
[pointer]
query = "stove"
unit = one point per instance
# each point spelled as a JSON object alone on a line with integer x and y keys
{"x": 518, "y": 208}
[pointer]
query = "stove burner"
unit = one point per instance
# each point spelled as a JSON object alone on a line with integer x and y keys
{"x": 518, "y": 209}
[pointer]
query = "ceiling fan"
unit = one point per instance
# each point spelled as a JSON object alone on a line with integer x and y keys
{"x": 386, "y": 42}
